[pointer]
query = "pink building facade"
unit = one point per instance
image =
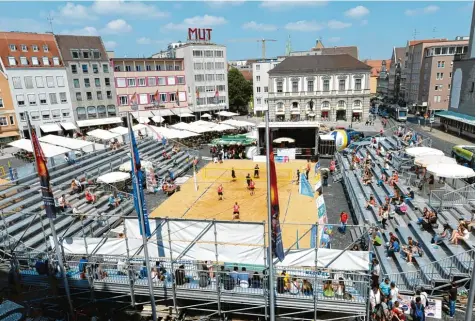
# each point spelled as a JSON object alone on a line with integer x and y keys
{"x": 145, "y": 77}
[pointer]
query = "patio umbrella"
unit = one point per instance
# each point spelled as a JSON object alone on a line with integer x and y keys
{"x": 284, "y": 140}
{"x": 425, "y": 161}
{"x": 114, "y": 177}
{"x": 450, "y": 170}
{"x": 423, "y": 151}
{"x": 206, "y": 115}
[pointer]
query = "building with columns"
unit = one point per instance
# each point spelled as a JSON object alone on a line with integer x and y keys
{"x": 321, "y": 87}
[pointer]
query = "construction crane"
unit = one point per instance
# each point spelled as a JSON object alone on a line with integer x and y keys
{"x": 263, "y": 44}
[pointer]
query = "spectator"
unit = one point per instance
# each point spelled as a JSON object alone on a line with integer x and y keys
{"x": 394, "y": 247}
{"x": 397, "y": 312}
{"x": 385, "y": 287}
{"x": 325, "y": 178}
{"x": 243, "y": 278}
{"x": 90, "y": 197}
{"x": 340, "y": 291}
{"x": 307, "y": 287}
{"x": 375, "y": 299}
{"x": 410, "y": 195}
{"x": 180, "y": 275}
{"x": 63, "y": 203}
{"x": 68, "y": 160}
{"x": 82, "y": 265}
{"x": 294, "y": 287}
{"x": 228, "y": 281}
{"x": 234, "y": 275}
{"x": 143, "y": 271}
{"x": 460, "y": 234}
{"x": 394, "y": 294}
{"x": 256, "y": 281}
{"x": 401, "y": 209}
{"x": 343, "y": 221}
{"x": 453, "y": 296}
{"x": 328, "y": 289}
{"x": 375, "y": 272}
{"x": 418, "y": 310}
{"x": 423, "y": 295}
{"x": 371, "y": 202}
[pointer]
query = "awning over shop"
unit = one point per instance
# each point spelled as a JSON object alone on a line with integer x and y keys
{"x": 466, "y": 119}
{"x": 48, "y": 149}
{"x": 158, "y": 119}
{"x": 98, "y": 122}
{"x": 49, "y": 128}
{"x": 163, "y": 112}
{"x": 181, "y": 110}
{"x": 68, "y": 126}
{"x": 102, "y": 134}
{"x": 186, "y": 115}
{"x": 119, "y": 130}
{"x": 227, "y": 113}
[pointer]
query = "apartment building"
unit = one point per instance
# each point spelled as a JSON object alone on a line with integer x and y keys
{"x": 144, "y": 77}
{"x": 429, "y": 66}
{"x": 333, "y": 87}
{"x": 395, "y": 73}
{"x": 375, "y": 72}
{"x": 37, "y": 80}
{"x": 206, "y": 75}
{"x": 90, "y": 77}
{"x": 261, "y": 84}
{"x": 8, "y": 122}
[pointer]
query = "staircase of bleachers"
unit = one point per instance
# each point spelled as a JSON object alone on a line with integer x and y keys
{"x": 24, "y": 224}
{"x": 439, "y": 265}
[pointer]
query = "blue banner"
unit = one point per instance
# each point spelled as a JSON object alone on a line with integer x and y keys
{"x": 305, "y": 187}
{"x": 137, "y": 189}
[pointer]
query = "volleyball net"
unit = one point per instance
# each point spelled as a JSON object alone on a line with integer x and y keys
{"x": 225, "y": 174}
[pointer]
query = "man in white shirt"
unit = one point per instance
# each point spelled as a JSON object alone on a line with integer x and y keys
{"x": 374, "y": 297}
{"x": 394, "y": 294}
{"x": 423, "y": 296}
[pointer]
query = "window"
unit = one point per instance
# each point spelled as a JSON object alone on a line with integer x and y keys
{"x": 1, "y": 103}
{"x": 99, "y": 95}
{"x": 87, "y": 84}
{"x": 53, "y": 100}
{"x": 171, "y": 80}
{"x": 177, "y": 67}
{"x": 31, "y": 99}
{"x": 451, "y": 74}
{"x": 21, "y": 100}
{"x": 131, "y": 82}
{"x": 152, "y": 81}
{"x": 97, "y": 82}
{"x": 63, "y": 99}
{"x": 12, "y": 61}
{"x": 76, "y": 83}
{"x": 449, "y": 86}
{"x": 13, "y": 48}
{"x": 3, "y": 121}
{"x": 181, "y": 80}
{"x": 123, "y": 100}
{"x": 219, "y": 53}
{"x": 310, "y": 85}
{"x": 280, "y": 107}
{"x": 258, "y": 89}
{"x": 295, "y": 86}
{"x": 95, "y": 69}
{"x": 89, "y": 95}
{"x": 46, "y": 61}
{"x": 436, "y": 99}
{"x": 341, "y": 84}
{"x": 81, "y": 111}
{"x": 265, "y": 89}
{"x": 45, "y": 114}
{"x": 16, "y": 82}
{"x": 258, "y": 101}
{"x": 75, "y": 54}
{"x": 439, "y": 76}
{"x": 12, "y": 120}
{"x": 128, "y": 68}
{"x": 74, "y": 69}
{"x": 197, "y": 53}
{"x": 50, "y": 82}
{"x": 85, "y": 69}
{"x": 279, "y": 86}
{"x": 45, "y": 48}
{"x": 34, "y": 61}
{"x": 148, "y": 67}
{"x": 163, "y": 98}
{"x": 111, "y": 110}
{"x": 143, "y": 99}
{"x": 107, "y": 81}
{"x": 358, "y": 84}
{"x": 452, "y": 50}
{"x": 56, "y": 61}
{"x": 121, "y": 82}
{"x": 42, "y": 98}
{"x": 22, "y": 117}
{"x": 105, "y": 68}
{"x": 35, "y": 48}
{"x": 258, "y": 78}
{"x": 325, "y": 85}
{"x": 66, "y": 113}
{"x": 60, "y": 81}
{"x": 257, "y": 67}
{"x": 198, "y": 66}
{"x": 141, "y": 82}
{"x": 39, "y": 82}
{"x": 138, "y": 67}
{"x": 28, "y": 82}
{"x": 23, "y": 61}
{"x": 35, "y": 115}
{"x": 79, "y": 97}
{"x": 96, "y": 54}
{"x": 85, "y": 54}
{"x": 102, "y": 111}
{"x": 172, "y": 97}
{"x": 109, "y": 94}
{"x": 162, "y": 80}
{"x": 436, "y": 87}
{"x": 56, "y": 113}
{"x": 341, "y": 103}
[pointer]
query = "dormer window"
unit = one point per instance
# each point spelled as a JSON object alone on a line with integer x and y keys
{"x": 46, "y": 62}
{"x": 56, "y": 61}
{"x": 13, "y": 48}
{"x": 45, "y": 48}
{"x": 34, "y": 61}
{"x": 86, "y": 54}
{"x": 23, "y": 61}
{"x": 35, "y": 48}
{"x": 12, "y": 61}
{"x": 24, "y": 48}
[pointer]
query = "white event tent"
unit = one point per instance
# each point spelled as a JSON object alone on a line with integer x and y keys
{"x": 75, "y": 144}
{"x": 227, "y": 113}
{"x": 422, "y": 151}
{"x": 102, "y": 134}
{"x": 450, "y": 170}
{"x": 427, "y": 160}
{"x": 238, "y": 123}
{"x": 48, "y": 149}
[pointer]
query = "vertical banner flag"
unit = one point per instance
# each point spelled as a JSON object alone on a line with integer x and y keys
{"x": 197, "y": 93}
{"x": 137, "y": 179}
{"x": 156, "y": 96}
{"x": 276, "y": 238}
{"x": 217, "y": 94}
{"x": 46, "y": 192}
{"x": 304, "y": 187}
{"x": 177, "y": 99}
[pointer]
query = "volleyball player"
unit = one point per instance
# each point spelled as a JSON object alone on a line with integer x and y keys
{"x": 236, "y": 211}
{"x": 233, "y": 175}
{"x": 252, "y": 187}
{"x": 220, "y": 192}
{"x": 256, "y": 172}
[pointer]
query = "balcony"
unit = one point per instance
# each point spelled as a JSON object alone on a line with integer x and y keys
{"x": 319, "y": 93}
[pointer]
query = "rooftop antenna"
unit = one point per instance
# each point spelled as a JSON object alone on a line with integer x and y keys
{"x": 50, "y": 21}
{"x": 434, "y": 32}
{"x": 415, "y": 33}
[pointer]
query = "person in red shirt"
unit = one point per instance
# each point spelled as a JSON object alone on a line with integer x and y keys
{"x": 344, "y": 217}
{"x": 252, "y": 187}
{"x": 236, "y": 211}
{"x": 220, "y": 192}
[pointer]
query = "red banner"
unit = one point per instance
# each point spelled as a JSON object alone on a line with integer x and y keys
{"x": 276, "y": 238}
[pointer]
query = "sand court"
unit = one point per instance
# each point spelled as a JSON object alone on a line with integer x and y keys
{"x": 298, "y": 212}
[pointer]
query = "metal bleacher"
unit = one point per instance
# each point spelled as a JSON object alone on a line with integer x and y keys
{"x": 24, "y": 222}
{"x": 439, "y": 265}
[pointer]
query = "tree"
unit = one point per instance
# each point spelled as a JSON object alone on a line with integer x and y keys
{"x": 240, "y": 91}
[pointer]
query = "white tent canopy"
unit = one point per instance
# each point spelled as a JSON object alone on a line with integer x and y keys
{"x": 119, "y": 130}
{"x": 181, "y": 125}
{"x": 203, "y": 123}
{"x": 284, "y": 139}
{"x": 227, "y": 113}
{"x": 143, "y": 120}
{"x": 68, "y": 126}
{"x": 70, "y": 143}
{"x": 206, "y": 115}
{"x": 171, "y": 133}
{"x": 139, "y": 127}
{"x": 450, "y": 170}
{"x": 126, "y": 167}
{"x": 48, "y": 149}
{"x": 163, "y": 112}
{"x": 423, "y": 151}
{"x": 50, "y": 128}
{"x": 200, "y": 129}
{"x": 222, "y": 127}
{"x": 100, "y": 121}
{"x": 113, "y": 177}
{"x": 425, "y": 161}
{"x": 102, "y": 134}
{"x": 237, "y": 123}
{"x": 158, "y": 119}
{"x": 181, "y": 110}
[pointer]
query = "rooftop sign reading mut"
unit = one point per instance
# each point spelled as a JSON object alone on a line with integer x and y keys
{"x": 199, "y": 34}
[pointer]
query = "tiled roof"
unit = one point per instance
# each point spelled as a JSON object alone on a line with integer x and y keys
{"x": 19, "y": 39}
{"x": 68, "y": 42}
{"x": 400, "y": 53}
{"x": 318, "y": 63}
{"x": 416, "y": 42}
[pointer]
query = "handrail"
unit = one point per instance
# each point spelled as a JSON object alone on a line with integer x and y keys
{"x": 446, "y": 199}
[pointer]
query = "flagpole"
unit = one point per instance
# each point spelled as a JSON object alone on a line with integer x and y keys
{"x": 53, "y": 233}
{"x": 144, "y": 237}
{"x": 270, "y": 228}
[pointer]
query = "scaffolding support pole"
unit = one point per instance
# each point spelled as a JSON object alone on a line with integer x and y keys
{"x": 217, "y": 276}
{"x": 174, "y": 284}
{"x": 315, "y": 272}
{"x": 469, "y": 307}
{"x": 129, "y": 274}
{"x": 266, "y": 289}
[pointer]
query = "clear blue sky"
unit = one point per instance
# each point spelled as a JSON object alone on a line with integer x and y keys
{"x": 141, "y": 28}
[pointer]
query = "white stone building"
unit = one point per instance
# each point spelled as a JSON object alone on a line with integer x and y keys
{"x": 323, "y": 87}
{"x": 206, "y": 75}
